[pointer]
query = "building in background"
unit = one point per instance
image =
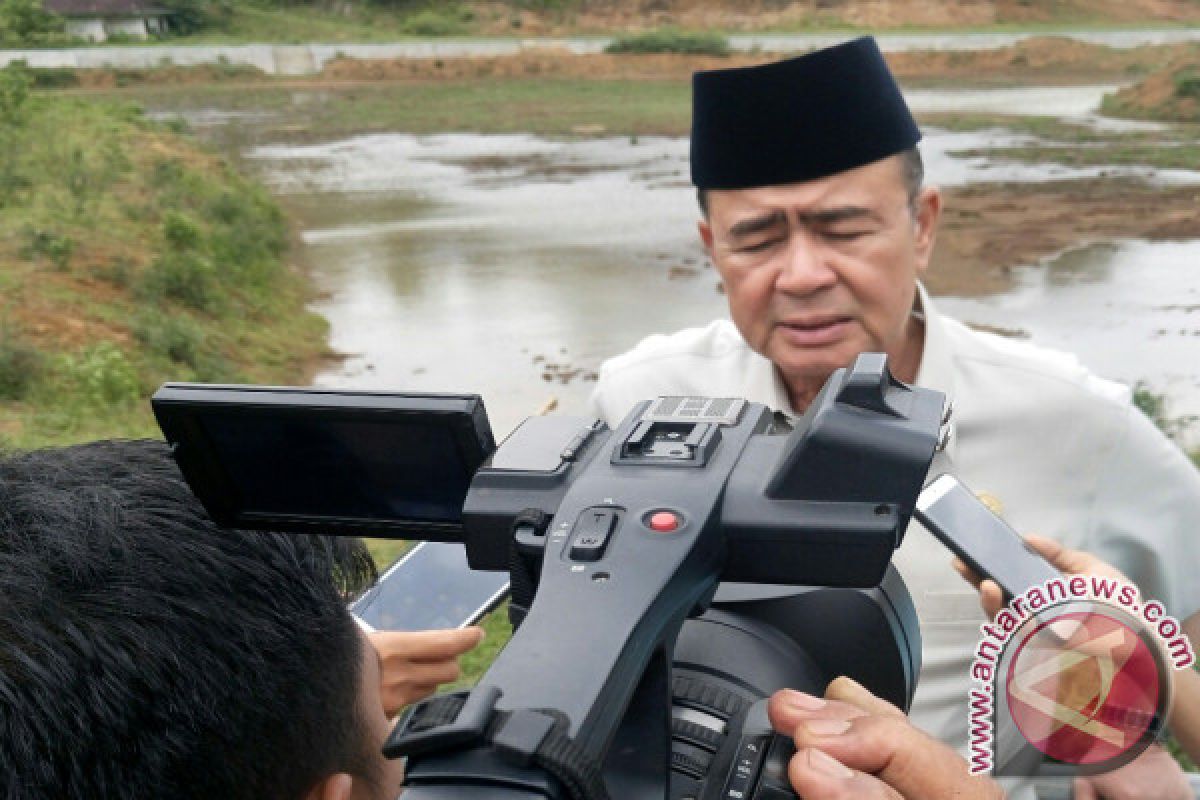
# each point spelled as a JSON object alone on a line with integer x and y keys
{"x": 99, "y": 20}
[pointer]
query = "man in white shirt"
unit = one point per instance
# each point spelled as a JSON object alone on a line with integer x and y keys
{"x": 816, "y": 219}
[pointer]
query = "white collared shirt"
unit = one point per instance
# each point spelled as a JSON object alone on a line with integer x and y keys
{"x": 1065, "y": 452}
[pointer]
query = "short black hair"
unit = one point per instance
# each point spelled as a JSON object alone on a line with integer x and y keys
{"x": 913, "y": 177}
{"x": 147, "y": 653}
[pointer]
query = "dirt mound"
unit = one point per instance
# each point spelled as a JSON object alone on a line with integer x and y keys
{"x": 111, "y": 77}
{"x": 1058, "y": 56}
{"x": 538, "y": 62}
{"x": 595, "y": 16}
{"x": 1049, "y": 59}
{"x": 1171, "y": 94}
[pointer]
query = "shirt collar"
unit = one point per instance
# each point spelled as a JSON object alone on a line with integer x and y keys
{"x": 936, "y": 370}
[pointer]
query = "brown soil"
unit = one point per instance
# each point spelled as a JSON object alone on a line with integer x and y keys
{"x": 1044, "y": 59}
{"x": 988, "y": 229}
{"x": 112, "y": 78}
{"x": 754, "y": 15}
{"x": 1172, "y": 93}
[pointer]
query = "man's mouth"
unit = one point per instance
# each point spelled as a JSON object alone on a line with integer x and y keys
{"x": 815, "y": 331}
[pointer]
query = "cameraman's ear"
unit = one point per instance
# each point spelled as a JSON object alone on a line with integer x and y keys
{"x": 338, "y": 786}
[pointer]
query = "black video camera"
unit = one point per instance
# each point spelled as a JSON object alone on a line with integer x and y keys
{"x": 667, "y": 575}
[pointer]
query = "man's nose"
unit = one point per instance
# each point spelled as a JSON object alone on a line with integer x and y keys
{"x": 804, "y": 268}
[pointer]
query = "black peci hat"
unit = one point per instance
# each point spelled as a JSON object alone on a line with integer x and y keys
{"x": 797, "y": 120}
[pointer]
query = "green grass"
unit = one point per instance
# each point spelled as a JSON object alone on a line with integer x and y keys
{"x": 1045, "y": 127}
{"x": 301, "y": 24}
{"x": 1162, "y": 155}
{"x": 547, "y": 106}
{"x": 671, "y": 40}
{"x": 129, "y": 257}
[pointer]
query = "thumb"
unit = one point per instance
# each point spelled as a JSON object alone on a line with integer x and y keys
{"x": 1082, "y": 789}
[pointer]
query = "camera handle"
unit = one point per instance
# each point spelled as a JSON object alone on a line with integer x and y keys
{"x": 524, "y": 738}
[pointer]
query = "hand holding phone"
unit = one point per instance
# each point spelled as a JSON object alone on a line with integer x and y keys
{"x": 960, "y": 520}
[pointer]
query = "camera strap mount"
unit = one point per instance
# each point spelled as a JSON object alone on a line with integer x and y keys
{"x": 525, "y": 737}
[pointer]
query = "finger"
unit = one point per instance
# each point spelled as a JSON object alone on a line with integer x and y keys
{"x": 817, "y": 776}
{"x": 1082, "y": 789}
{"x": 991, "y": 597}
{"x": 903, "y": 757}
{"x": 422, "y": 674}
{"x": 1065, "y": 559}
{"x": 848, "y": 690}
{"x": 1073, "y": 561}
{"x": 434, "y": 645}
{"x": 787, "y": 708}
{"x": 969, "y": 575}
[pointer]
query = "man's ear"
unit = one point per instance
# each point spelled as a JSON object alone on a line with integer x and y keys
{"x": 706, "y": 236}
{"x": 333, "y": 787}
{"x": 927, "y": 210}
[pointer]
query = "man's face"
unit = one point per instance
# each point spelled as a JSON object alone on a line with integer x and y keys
{"x": 389, "y": 772}
{"x": 820, "y": 271}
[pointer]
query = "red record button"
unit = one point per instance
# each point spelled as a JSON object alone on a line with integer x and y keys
{"x": 664, "y": 521}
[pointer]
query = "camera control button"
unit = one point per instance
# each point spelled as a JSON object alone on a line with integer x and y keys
{"x": 591, "y": 534}
{"x": 663, "y": 522}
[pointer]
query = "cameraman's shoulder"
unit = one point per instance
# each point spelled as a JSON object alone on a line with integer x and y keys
{"x": 677, "y": 363}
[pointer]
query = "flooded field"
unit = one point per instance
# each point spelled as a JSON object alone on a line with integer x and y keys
{"x": 512, "y": 265}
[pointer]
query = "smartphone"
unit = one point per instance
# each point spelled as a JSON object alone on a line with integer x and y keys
{"x": 430, "y": 587}
{"x": 959, "y": 520}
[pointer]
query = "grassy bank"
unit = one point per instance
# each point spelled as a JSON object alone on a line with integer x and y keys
{"x": 128, "y": 257}
{"x": 547, "y": 106}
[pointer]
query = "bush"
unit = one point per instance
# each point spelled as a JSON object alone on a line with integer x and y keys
{"x": 434, "y": 23}
{"x": 55, "y": 247}
{"x": 1154, "y": 406}
{"x": 54, "y": 77}
{"x": 671, "y": 40}
{"x": 172, "y": 336}
{"x": 185, "y": 278}
{"x": 20, "y": 363}
{"x": 101, "y": 376}
{"x": 1187, "y": 83}
{"x": 180, "y": 231}
{"x": 24, "y": 22}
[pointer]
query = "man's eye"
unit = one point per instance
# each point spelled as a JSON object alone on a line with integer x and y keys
{"x": 844, "y": 236}
{"x": 758, "y": 247}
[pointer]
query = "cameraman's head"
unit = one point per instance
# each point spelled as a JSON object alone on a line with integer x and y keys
{"x": 144, "y": 652}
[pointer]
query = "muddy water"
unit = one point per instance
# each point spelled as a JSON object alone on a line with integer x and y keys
{"x": 509, "y": 266}
{"x": 1129, "y": 310}
{"x": 512, "y": 265}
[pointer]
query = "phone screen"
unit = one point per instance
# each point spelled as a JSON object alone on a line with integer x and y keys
{"x": 431, "y": 587}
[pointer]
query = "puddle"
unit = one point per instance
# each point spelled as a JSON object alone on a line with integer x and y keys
{"x": 1130, "y": 311}
{"x": 512, "y": 265}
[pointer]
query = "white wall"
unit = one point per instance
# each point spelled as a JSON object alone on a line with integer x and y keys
{"x": 135, "y": 28}
{"x": 90, "y": 29}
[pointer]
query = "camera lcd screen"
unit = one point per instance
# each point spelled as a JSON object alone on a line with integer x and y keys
{"x": 341, "y": 467}
{"x": 370, "y": 464}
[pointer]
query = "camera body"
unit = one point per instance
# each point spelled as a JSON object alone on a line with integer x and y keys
{"x": 667, "y": 575}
